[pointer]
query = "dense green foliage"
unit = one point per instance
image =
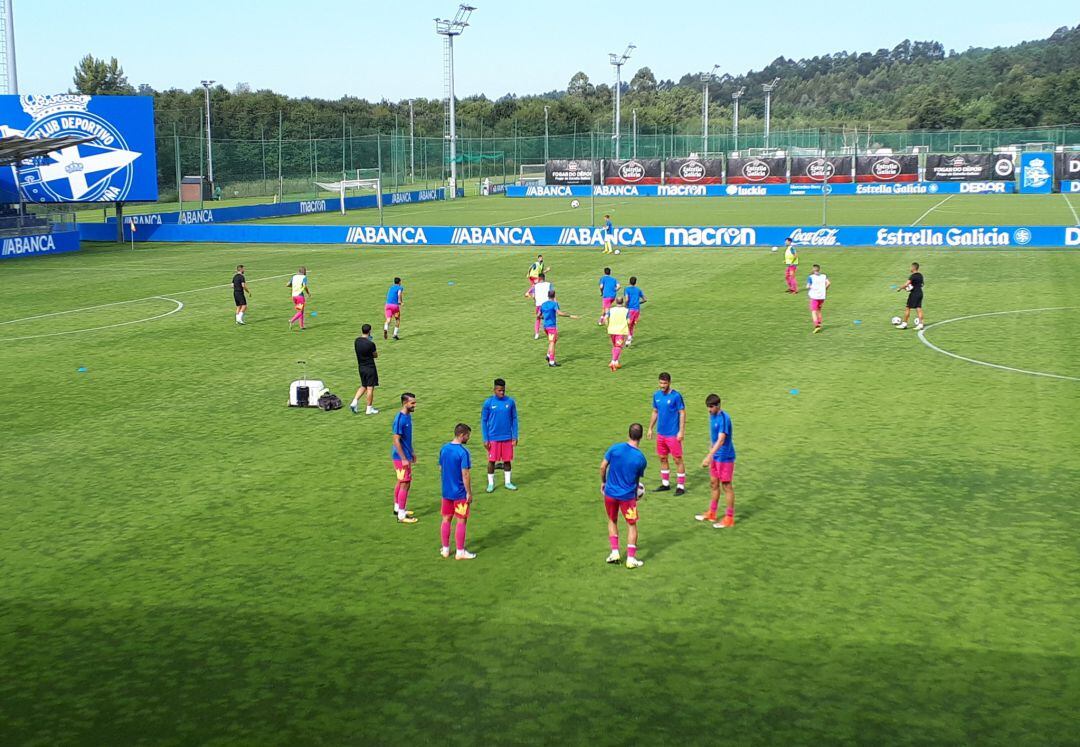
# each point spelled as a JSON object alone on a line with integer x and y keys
{"x": 187, "y": 561}
{"x": 913, "y": 85}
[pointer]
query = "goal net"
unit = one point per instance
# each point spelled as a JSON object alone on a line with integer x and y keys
{"x": 352, "y": 188}
{"x": 532, "y": 173}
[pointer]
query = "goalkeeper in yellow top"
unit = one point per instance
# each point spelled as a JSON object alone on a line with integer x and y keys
{"x": 791, "y": 264}
{"x": 537, "y": 269}
{"x": 618, "y": 327}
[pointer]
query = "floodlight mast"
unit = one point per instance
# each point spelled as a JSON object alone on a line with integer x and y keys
{"x": 9, "y": 29}
{"x": 706, "y": 79}
{"x": 545, "y": 134}
{"x": 617, "y": 62}
{"x": 735, "y": 96}
{"x": 209, "y": 141}
{"x": 450, "y": 29}
{"x": 768, "y": 88}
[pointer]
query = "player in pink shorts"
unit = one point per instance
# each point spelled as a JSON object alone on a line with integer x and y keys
{"x": 395, "y": 296}
{"x": 817, "y": 284}
{"x": 404, "y": 458}
{"x": 549, "y": 317}
{"x": 669, "y": 420}
{"x": 499, "y": 428}
{"x": 298, "y": 284}
{"x": 609, "y": 288}
{"x": 721, "y": 464}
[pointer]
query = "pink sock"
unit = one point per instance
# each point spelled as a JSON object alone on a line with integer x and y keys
{"x": 680, "y": 480}
{"x": 730, "y": 511}
{"x": 631, "y": 551}
{"x": 616, "y": 352}
{"x": 713, "y": 505}
{"x": 665, "y": 476}
{"x": 614, "y": 540}
{"x": 397, "y": 497}
{"x": 297, "y": 315}
{"x": 459, "y": 535}
{"x": 444, "y": 531}
{"x": 536, "y": 326}
{"x": 403, "y": 495}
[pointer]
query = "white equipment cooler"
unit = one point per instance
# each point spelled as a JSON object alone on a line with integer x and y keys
{"x": 316, "y": 388}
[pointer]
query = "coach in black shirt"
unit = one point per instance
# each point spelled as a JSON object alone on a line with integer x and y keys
{"x": 914, "y": 287}
{"x": 369, "y": 375}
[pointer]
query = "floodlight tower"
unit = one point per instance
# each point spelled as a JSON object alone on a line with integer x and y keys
{"x": 450, "y": 29}
{"x": 412, "y": 142}
{"x": 7, "y": 48}
{"x": 735, "y": 96}
{"x": 768, "y": 89}
{"x": 617, "y": 62}
{"x": 209, "y": 142}
{"x": 706, "y": 79}
{"x": 545, "y": 134}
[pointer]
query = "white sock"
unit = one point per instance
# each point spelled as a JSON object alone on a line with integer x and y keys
{"x": 238, "y": 316}
{"x": 506, "y": 477}
{"x": 355, "y": 402}
{"x": 491, "y": 480}
{"x": 395, "y": 331}
{"x": 401, "y": 513}
{"x": 386, "y": 326}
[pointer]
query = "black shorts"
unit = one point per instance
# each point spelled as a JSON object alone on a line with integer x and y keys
{"x": 238, "y": 298}
{"x": 914, "y": 299}
{"x": 369, "y": 376}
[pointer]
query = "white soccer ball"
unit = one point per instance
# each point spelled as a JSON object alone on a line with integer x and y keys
{"x": 640, "y": 489}
{"x": 574, "y": 203}
{"x": 896, "y": 321}
{"x": 776, "y": 248}
{"x": 618, "y": 251}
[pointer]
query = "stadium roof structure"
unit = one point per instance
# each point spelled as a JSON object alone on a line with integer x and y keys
{"x": 16, "y": 147}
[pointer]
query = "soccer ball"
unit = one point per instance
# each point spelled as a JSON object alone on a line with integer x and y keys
{"x": 776, "y": 248}
{"x": 640, "y": 489}
{"x": 896, "y": 321}
{"x": 574, "y": 203}
{"x": 618, "y": 251}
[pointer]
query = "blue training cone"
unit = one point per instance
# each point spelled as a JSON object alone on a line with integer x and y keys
{"x": 81, "y": 369}
{"x": 314, "y": 313}
{"x": 794, "y": 391}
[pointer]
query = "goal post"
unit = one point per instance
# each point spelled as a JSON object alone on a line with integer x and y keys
{"x": 532, "y": 173}
{"x": 356, "y": 186}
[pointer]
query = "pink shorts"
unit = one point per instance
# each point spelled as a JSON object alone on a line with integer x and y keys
{"x": 552, "y": 333}
{"x": 403, "y": 470}
{"x": 722, "y": 471}
{"x": 533, "y": 281}
{"x": 606, "y": 303}
{"x": 456, "y": 509}
{"x": 298, "y": 302}
{"x": 632, "y": 316}
{"x": 668, "y": 445}
{"x": 627, "y": 508}
{"x": 500, "y": 451}
{"x": 392, "y": 309}
{"x": 816, "y": 304}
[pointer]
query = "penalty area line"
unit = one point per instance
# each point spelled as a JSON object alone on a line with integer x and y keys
{"x": 932, "y": 346}
{"x": 935, "y": 207}
{"x": 179, "y": 307}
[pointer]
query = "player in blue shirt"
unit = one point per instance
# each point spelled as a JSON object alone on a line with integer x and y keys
{"x": 609, "y": 235}
{"x": 609, "y": 288}
{"x": 456, "y": 466}
{"x": 634, "y": 298}
{"x": 404, "y": 457}
{"x": 669, "y": 419}
{"x": 395, "y": 296}
{"x": 620, "y": 483}
{"x": 721, "y": 463}
{"x": 499, "y": 429}
{"x": 549, "y": 314}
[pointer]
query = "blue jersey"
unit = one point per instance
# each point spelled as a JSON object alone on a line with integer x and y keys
{"x": 402, "y": 427}
{"x": 608, "y": 285}
{"x": 498, "y": 419}
{"x": 721, "y": 423}
{"x": 548, "y": 314}
{"x": 608, "y": 228}
{"x": 668, "y": 406}
{"x": 633, "y": 297}
{"x": 626, "y": 465}
{"x": 394, "y": 294}
{"x": 452, "y": 459}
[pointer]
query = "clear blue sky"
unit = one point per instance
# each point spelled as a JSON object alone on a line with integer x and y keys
{"x": 375, "y": 50}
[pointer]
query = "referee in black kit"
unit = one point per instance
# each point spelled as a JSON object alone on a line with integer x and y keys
{"x": 239, "y": 288}
{"x": 366, "y": 353}
{"x": 914, "y": 287}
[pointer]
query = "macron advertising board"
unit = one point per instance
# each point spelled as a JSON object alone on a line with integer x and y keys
{"x": 119, "y": 163}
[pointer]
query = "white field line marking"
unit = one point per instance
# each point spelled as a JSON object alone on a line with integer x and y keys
{"x": 544, "y": 215}
{"x": 1076, "y": 218}
{"x": 179, "y": 307}
{"x": 935, "y": 207}
{"x": 131, "y": 300}
{"x": 932, "y": 346}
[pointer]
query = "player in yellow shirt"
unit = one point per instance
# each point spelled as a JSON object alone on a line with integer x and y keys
{"x": 537, "y": 270}
{"x": 791, "y": 264}
{"x": 618, "y": 327}
{"x": 300, "y": 294}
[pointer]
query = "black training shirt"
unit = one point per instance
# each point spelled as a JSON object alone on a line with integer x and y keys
{"x": 916, "y": 281}
{"x": 365, "y": 352}
{"x": 238, "y": 283}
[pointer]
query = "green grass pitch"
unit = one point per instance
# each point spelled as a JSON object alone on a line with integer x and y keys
{"x": 186, "y": 561}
